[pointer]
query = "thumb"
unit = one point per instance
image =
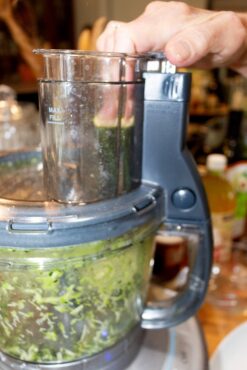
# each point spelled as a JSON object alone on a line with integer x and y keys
{"x": 188, "y": 47}
{"x": 210, "y": 40}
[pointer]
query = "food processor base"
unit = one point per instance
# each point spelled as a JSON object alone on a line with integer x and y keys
{"x": 114, "y": 358}
{"x": 180, "y": 348}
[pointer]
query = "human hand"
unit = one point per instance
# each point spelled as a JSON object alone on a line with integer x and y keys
{"x": 188, "y": 36}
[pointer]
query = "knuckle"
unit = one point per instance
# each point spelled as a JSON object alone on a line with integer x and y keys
{"x": 180, "y": 7}
{"x": 153, "y": 6}
{"x": 229, "y": 16}
{"x": 111, "y": 25}
{"x": 201, "y": 39}
{"x": 231, "y": 19}
{"x": 239, "y": 26}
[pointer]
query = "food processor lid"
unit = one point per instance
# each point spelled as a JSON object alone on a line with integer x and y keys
{"x": 24, "y": 210}
{"x": 90, "y": 66}
{"x": 95, "y": 67}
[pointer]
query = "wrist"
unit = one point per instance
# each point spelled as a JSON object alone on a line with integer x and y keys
{"x": 240, "y": 65}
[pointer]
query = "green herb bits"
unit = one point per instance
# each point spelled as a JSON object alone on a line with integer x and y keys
{"x": 61, "y": 304}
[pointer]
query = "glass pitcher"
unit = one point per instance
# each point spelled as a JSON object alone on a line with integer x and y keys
{"x": 91, "y": 125}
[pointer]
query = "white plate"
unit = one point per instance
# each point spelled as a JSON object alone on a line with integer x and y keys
{"x": 231, "y": 353}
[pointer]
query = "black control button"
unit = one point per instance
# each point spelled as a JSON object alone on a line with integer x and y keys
{"x": 183, "y": 198}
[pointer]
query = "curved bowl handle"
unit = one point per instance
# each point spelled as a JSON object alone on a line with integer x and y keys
{"x": 167, "y": 162}
{"x": 172, "y": 312}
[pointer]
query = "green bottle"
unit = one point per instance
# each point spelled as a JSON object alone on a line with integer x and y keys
{"x": 236, "y": 151}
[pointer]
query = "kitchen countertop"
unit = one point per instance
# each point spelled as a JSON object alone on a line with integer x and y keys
{"x": 217, "y": 323}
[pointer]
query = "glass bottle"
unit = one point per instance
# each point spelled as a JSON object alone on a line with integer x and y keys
{"x": 236, "y": 152}
{"x": 227, "y": 288}
{"x": 221, "y": 198}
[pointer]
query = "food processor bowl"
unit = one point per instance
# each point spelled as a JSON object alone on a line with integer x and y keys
{"x": 73, "y": 278}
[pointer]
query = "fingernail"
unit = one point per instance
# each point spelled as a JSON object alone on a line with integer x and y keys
{"x": 180, "y": 51}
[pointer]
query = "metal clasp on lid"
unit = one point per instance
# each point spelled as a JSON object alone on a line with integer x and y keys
{"x": 160, "y": 65}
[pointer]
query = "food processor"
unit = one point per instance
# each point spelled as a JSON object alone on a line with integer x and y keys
{"x": 76, "y": 250}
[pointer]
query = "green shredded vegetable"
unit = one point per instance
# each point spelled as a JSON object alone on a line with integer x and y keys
{"x": 61, "y": 304}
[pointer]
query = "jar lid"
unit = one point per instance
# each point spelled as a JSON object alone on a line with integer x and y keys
{"x": 90, "y": 66}
{"x": 216, "y": 162}
{"x": 95, "y": 66}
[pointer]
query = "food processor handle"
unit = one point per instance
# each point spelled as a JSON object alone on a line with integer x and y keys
{"x": 168, "y": 162}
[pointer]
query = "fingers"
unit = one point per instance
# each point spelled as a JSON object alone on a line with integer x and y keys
{"x": 208, "y": 43}
{"x": 116, "y": 38}
{"x": 188, "y": 36}
{"x": 190, "y": 45}
{"x": 149, "y": 32}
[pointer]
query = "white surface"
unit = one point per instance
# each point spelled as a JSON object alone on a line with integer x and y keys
{"x": 231, "y": 353}
{"x": 179, "y": 348}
